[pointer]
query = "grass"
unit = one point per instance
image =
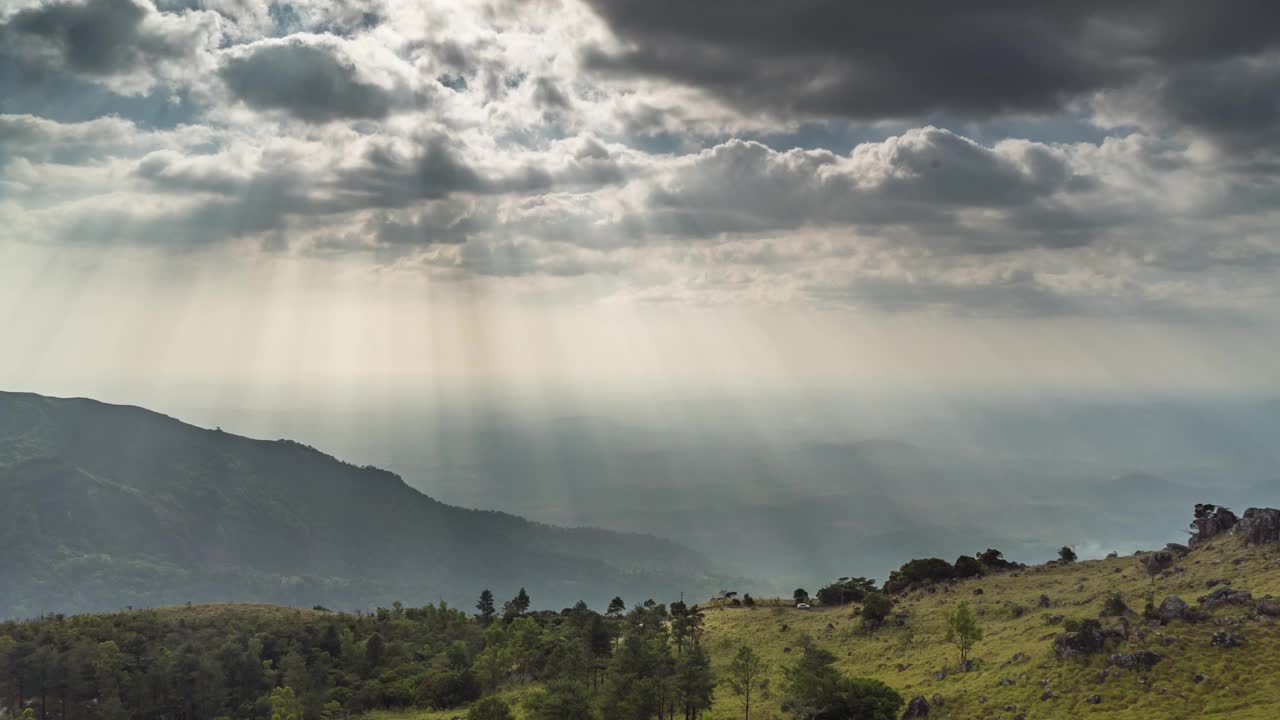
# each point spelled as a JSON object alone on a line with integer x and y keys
{"x": 1015, "y": 663}
{"x": 1241, "y": 681}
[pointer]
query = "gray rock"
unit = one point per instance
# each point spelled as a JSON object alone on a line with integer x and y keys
{"x": 1224, "y": 595}
{"x": 1269, "y": 607}
{"x": 1158, "y": 562}
{"x": 1210, "y": 521}
{"x": 1093, "y": 699}
{"x": 918, "y": 707}
{"x": 1144, "y": 659}
{"x": 1260, "y": 525}
{"x": 1046, "y": 695}
{"x": 1199, "y": 678}
{"x": 1089, "y": 639}
{"x": 1177, "y": 550}
{"x": 1225, "y": 639}
{"x": 1173, "y": 608}
{"x": 1043, "y": 601}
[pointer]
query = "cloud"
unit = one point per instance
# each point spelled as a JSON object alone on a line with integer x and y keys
{"x": 122, "y": 43}
{"x": 977, "y": 59}
{"x": 310, "y": 82}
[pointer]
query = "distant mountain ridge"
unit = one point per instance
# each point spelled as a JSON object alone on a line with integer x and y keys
{"x": 103, "y": 506}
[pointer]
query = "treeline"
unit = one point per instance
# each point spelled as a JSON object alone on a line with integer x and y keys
{"x": 277, "y": 663}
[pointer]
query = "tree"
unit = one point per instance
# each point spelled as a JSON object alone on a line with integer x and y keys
{"x": 745, "y": 671}
{"x": 561, "y": 700}
{"x": 993, "y": 559}
{"x": 486, "y": 608}
{"x": 616, "y": 607}
{"x": 963, "y": 631}
{"x": 815, "y": 690}
{"x": 284, "y": 704}
{"x": 876, "y": 607}
{"x": 1066, "y": 554}
{"x": 695, "y": 682}
{"x": 490, "y": 708}
{"x": 800, "y": 595}
{"x": 748, "y": 601}
{"x": 375, "y": 649}
{"x": 516, "y": 606}
{"x": 967, "y": 566}
{"x": 846, "y": 590}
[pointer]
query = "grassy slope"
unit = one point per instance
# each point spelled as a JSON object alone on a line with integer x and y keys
{"x": 1242, "y": 681}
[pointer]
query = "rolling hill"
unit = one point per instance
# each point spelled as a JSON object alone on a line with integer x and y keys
{"x": 105, "y": 506}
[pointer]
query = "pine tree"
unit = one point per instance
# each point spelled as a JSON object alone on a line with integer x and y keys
{"x": 745, "y": 672}
{"x": 486, "y": 608}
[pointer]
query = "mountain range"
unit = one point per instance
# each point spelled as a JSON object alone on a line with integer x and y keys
{"x": 107, "y": 506}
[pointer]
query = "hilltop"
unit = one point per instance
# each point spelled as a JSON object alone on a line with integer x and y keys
{"x": 1015, "y": 663}
{"x": 105, "y": 506}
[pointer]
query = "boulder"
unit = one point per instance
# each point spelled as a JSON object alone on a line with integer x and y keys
{"x": 1093, "y": 699}
{"x": 1269, "y": 607}
{"x": 1177, "y": 550}
{"x": 1224, "y": 595}
{"x": 1225, "y": 639}
{"x": 1043, "y": 601}
{"x": 1210, "y": 521}
{"x": 1260, "y": 525}
{"x": 1158, "y": 562}
{"x": 918, "y": 707}
{"x": 1173, "y": 608}
{"x": 1088, "y": 640}
{"x": 1144, "y": 659}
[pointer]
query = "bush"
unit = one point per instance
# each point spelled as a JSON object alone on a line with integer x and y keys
{"x": 490, "y": 708}
{"x": 846, "y": 590}
{"x": 876, "y": 607}
{"x": 918, "y": 571}
{"x": 1114, "y": 604}
{"x": 967, "y": 566}
{"x": 1066, "y": 554}
{"x": 994, "y": 560}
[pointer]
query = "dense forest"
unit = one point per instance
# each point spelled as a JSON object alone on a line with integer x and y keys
{"x": 277, "y": 663}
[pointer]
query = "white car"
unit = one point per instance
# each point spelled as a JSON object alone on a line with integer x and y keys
{"x": 802, "y": 606}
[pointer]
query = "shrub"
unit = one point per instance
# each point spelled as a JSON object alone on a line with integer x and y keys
{"x": 1114, "y": 604}
{"x": 846, "y": 590}
{"x": 994, "y": 559}
{"x": 1066, "y": 554}
{"x": 876, "y": 607}
{"x": 918, "y": 571}
{"x": 967, "y": 566}
{"x": 490, "y": 708}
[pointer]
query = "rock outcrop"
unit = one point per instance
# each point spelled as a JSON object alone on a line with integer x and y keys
{"x": 1210, "y": 521}
{"x": 1173, "y": 608}
{"x": 1224, "y": 595}
{"x": 1260, "y": 525}
{"x": 918, "y": 707}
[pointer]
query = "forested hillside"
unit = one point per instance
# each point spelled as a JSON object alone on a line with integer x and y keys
{"x": 1174, "y": 633}
{"x": 103, "y": 507}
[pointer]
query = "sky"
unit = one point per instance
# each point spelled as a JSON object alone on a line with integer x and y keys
{"x": 990, "y": 194}
{"x": 424, "y": 233}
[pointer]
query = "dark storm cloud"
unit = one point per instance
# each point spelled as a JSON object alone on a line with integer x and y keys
{"x": 909, "y": 59}
{"x": 99, "y": 37}
{"x": 928, "y": 180}
{"x": 306, "y": 81}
